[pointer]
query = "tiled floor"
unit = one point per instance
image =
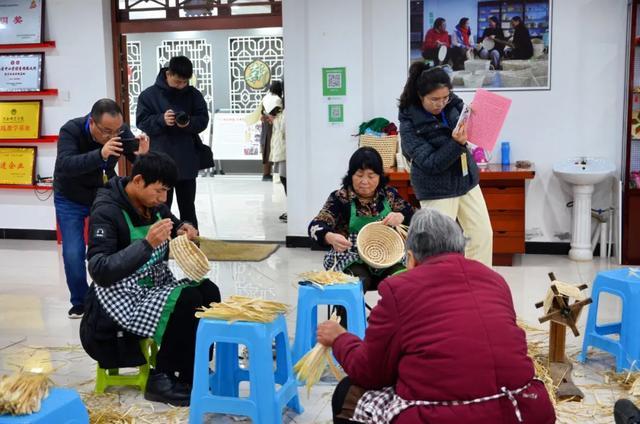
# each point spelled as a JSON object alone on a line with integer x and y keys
{"x": 36, "y": 334}
{"x": 240, "y": 207}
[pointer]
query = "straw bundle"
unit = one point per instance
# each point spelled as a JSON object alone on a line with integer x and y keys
{"x": 328, "y": 277}
{"x": 241, "y": 308}
{"x": 379, "y": 245}
{"x": 311, "y": 366}
{"x": 189, "y": 257}
{"x": 22, "y": 393}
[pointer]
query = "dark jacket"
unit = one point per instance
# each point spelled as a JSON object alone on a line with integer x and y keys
{"x": 179, "y": 143}
{"x": 436, "y": 168}
{"x": 111, "y": 255}
{"x": 522, "y": 41}
{"x": 488, "y": 32}
{"x": 78, "y": 170}
{"x": 446, "y": 331}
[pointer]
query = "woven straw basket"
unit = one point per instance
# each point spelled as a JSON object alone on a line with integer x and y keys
{"x": 189, "y": 257}
{"x": 379, "y": 245}
{"x": 386, "y": 146}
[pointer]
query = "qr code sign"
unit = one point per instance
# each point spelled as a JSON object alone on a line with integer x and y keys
{"x": 334, "y": 80}
{"x": 336, "y": 112}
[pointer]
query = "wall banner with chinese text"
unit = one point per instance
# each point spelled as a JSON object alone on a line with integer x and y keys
{"x": 21, "y": 21}
{"x": 21, "y": 71}
{"x": 17, "y": 165}
{"x": 20, "y": 119}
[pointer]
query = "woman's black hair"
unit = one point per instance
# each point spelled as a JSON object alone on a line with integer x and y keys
{"x": 277, "y": 88}
{"x": 438, "y": 22}
{"x": 517, "y": 19}
{"x": 494, "y": 19}
{"x": 364, "y": 158}
{"x": 463, "y": 21}
{"x": 422, "y": 80}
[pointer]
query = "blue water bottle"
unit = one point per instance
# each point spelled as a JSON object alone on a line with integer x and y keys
{"x": 505, "y": 153}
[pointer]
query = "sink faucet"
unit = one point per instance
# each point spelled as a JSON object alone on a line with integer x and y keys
{"x": 583, "y": 160}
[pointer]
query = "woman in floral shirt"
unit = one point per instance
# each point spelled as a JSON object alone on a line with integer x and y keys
{"x": 363, "y": 198}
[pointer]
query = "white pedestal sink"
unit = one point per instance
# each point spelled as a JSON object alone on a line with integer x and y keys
{"x": 582, "y": 173}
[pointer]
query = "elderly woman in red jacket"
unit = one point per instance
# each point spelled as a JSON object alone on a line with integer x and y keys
{"x": 442, "y": 344}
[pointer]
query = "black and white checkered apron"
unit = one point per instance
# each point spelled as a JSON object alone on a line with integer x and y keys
{"x": 143, "y": 302}
{"x": 382, "y": 406}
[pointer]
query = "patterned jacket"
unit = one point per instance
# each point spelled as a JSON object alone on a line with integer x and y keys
{"x": 334, "y": 215}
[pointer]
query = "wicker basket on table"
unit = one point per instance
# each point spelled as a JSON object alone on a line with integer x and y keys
{"x": 387, "y": 146}
{"x": 379, "y": 245}
{"x": 189, "y": 257}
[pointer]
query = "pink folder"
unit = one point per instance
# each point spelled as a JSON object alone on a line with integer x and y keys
{"x": 488, "y": 116}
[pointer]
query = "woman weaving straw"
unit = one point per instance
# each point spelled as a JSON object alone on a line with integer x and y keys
{"x": 442, "y": 345}
{"x": 363, "y": 198}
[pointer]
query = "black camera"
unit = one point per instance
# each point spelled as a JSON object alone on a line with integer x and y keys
{"x": 182, "y": 118}
{"x": 130, "y": 145}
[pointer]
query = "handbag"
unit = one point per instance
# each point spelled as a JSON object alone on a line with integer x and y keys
{"x": 205, "y": 155}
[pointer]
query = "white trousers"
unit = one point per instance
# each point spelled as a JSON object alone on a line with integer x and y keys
{"x": 471, "y": 212}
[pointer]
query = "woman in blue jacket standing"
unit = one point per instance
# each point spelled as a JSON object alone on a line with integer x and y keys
{"x": 444, "y": 175}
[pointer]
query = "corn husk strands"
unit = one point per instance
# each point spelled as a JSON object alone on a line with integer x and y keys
{"x": 241, "y": 308}
{"x": 403, "y": 230}
{"x": 328, "y": 277}
{"x": 107, "y": 408}
{"x": 311, "y": 366}
{"x": 22, "y": 393}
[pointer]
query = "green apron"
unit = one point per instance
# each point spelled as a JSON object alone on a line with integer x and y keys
{"x": 339, "y": 261}
{"x": 140, "y": 233}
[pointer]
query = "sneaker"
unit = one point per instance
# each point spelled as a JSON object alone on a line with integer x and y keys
{"x": 283, "y": 217}
{"x": 76, "y": 311}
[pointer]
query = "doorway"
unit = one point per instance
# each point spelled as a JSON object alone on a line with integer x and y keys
{"x": 236, "y": 49}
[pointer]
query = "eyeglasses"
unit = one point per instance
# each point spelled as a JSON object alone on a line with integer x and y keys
{"x": 440, "y": 101}
{"x": 109, "y": 133}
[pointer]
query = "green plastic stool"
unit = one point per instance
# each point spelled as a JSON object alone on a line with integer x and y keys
{"x": 111, "y": 377}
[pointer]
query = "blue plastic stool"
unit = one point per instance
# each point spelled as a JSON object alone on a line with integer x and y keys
{"x": 218, "y": 392}
{"x": 62, "y": 406}
{"x": 348, "y": 295}
{"x": 622, "y": 283}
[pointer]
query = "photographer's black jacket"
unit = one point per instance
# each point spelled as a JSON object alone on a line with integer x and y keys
{"x": 179, "y": 143}
{"x": 79, "y": 165}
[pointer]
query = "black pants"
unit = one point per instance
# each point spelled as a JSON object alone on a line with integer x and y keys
{"x": 283, "y": 180}
{"x": 178, "y": 347}
{"x": 186, "y": 194}
{"x": 456, "y": 55}
{"x": 370, "y": 282}
{"x": 339, "y": 396}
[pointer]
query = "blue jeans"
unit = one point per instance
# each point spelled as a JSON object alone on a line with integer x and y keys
{"x": 71, "y": 216}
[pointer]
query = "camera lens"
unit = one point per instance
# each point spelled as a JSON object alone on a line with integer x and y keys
{"x": 182, "y": 118}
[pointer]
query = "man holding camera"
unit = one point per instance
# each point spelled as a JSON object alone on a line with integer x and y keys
{"x": 88, "y": 150}
{"x": 173, "y": 113}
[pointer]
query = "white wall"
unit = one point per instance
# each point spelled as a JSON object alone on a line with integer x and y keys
{"x": 580, "y": 115}
{"x": 81, "y": 68}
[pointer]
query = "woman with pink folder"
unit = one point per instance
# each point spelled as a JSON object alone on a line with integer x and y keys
{"x": 444, "y": 174}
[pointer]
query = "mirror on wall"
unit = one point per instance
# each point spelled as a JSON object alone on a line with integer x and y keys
{"x": 497, "y": 45}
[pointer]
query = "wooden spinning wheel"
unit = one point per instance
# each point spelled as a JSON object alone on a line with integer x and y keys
{"x": 561, "y": 314}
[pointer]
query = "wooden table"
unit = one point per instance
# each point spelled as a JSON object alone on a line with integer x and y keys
{"x": 503, "y": 191}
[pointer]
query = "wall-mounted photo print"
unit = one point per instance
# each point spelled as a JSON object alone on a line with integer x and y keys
{"x": 497, "y": 45}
